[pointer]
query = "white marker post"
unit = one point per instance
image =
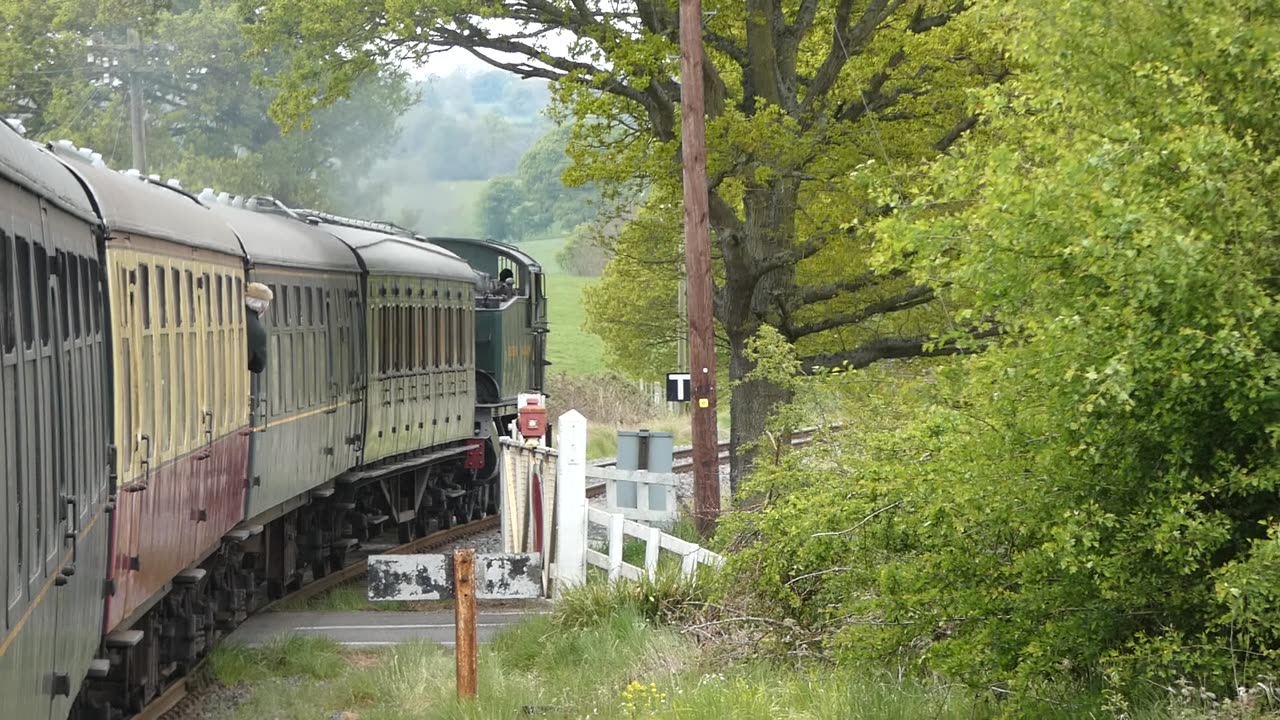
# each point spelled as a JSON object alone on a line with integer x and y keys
{"x": 571, "y": 502}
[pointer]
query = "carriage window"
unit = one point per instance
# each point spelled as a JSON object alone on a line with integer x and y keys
{"x": 128, "y": 281}
{"x": 389, "y": 337}
{"x": 429, "y": 343}
{"x": 436, "y": 355}
{"x": 89, "y": 305}
{"x": 273, "y": 368}
{"x": 191, "y": 298}
{"x": 220, "y": 300}
{"x": 284, "y": 305}
{"x": 162, "y": 297}
{"x": 6, "y": 293}
{"x": 64, "y": 294}
{"x": 420, "y": 333}
{"x": 177, "y": 297}
{"x": 274, "y": 307}
{"x": 453, "y": 336}
{"x": 206, "y": 290}
{"x": 144, "y": 289}
{"x": 126, "y": 395}
{"x": 239, "y": 300}
{"x": 165, "y": 426}
{"x": 25, "y": 310}
{"x": 45, "y": 313}
{"x": 405, "y": 330}
{"x": 79, "y": 288}
{"x": 179, "y": 389}
{"x": 322, "y": 306}
{"x": 309, "y": 320}
{"x": 295, "y": 302}
{"x": 376, "y": 339}
{"x": 397, "y": 335}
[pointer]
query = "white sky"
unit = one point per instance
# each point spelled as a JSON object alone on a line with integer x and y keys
{"x": 446, "y": 63}
{"x": 454, "y": 59}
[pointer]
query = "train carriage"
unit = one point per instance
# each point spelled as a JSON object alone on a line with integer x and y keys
{"x": 176, "y": 322}
{"x": 53, "y": 433}
{"x": 510, "y": 332}
{"x": 420, "y": 320}
{"x": 307, "y": 406}
{"x": 155, "y": 493}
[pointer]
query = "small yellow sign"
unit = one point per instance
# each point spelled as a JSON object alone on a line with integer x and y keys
{"x": 703, "y": 402}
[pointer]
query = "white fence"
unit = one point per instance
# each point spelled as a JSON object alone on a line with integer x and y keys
{"x": 691, "y": 555}
{"x": 574, "y": 517}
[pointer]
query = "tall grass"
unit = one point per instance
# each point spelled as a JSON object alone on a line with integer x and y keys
{"x": 613, "y": 662}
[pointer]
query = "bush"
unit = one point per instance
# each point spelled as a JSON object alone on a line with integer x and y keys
{"x": 662, "y": 600}
{"x": 1097, "y": 499}
{"x": 586, "y": 252}
{"x": 607, "y": 399}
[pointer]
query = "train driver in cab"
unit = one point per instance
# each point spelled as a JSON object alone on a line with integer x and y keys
{"x": 257, "y": 297}
{"x": 506, "y": 284}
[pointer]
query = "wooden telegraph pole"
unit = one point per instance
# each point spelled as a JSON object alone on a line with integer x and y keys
{"x": 137, "y": 112}
{"x": 697, "y": 253}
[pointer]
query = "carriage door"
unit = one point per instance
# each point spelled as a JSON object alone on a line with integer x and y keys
{"x": 357, "y": 372}
{"x": 328, "y": 394}
{"x": 259, "y": 391}
{"x": 46, "y": 463}
{"x": 73, "y": 458}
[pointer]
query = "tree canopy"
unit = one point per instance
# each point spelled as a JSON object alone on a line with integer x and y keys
{"x": 64, "y": 69}
{"x": 797, "y": 94}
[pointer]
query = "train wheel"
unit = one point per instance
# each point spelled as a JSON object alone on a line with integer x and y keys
{"x": 319, "y": 566}
{"x": 337, "y": 558}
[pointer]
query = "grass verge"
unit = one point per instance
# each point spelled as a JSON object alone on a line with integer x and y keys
{"x": 604, "y": 655}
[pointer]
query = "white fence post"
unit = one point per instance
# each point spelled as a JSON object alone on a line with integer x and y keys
{"x": 652, "y": 545}
{"x": 689, "y": 564}
{"x": 615, "y": 547}
{"x": 571, "y": 502}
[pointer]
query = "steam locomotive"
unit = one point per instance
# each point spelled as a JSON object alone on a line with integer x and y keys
{"x": 155, "y": 492}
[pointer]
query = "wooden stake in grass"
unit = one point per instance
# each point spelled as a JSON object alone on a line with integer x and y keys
{"x": 464, "y": 618}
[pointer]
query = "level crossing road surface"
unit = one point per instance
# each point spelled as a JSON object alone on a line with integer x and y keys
{"x": 374, "y": 628}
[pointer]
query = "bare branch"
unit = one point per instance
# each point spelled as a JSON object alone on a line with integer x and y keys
{"x": 846, "y": 41}
{"x": 913, "y": 297}
{"x": 965, "y": 125}
{"x": 805, "y": 14}
{"x": 920, "y": 23}
{"x": 821, "y": 293}
{"x": 860, "y": 523}
{"x": 897, "y": 348}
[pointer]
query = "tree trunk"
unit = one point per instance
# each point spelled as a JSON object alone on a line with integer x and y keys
{"x": 749, "y": 408}
{"x": 769, "y": 229}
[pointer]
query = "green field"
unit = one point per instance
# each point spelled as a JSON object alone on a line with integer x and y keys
{"x": 570, "y": 348}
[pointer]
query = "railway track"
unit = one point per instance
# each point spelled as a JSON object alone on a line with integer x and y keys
{"x": 682, "y": 458}
{"x": 176, "y": 698}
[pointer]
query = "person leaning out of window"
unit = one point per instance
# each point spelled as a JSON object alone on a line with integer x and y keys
{"x": 257, "y": 297}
